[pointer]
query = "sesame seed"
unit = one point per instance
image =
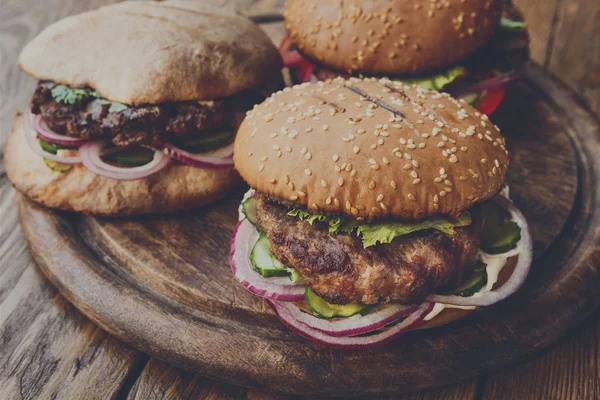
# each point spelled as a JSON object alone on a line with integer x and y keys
{"x": 328, "y": 201}
{"x": 261, "y": 168}
{"x": 411, "y": 197}
{"x": 356, "y": 149}
{"x": 393, "y": 184}
{"x": 336, "y": 157}
{"x": 379, "y": 198}
{"x": 437, "y": 180}
{"x": 250, "y": 154}
{"x": 372, "y": 185}
{"x": 336, "y": 202}
{"x": 375, "y": 167}
{"x": 291, "y": 186}
{"x": 308, "y": 156}
{"x": 442, "y": 193}
{"x": 308, "y": 172}
{"x": 286, "y": 179}
{"x": 383, "y": 206}
{"x": 414, "y": 174}
{"x": 416, "y": 181}
{"x": 325, "y": 127}
{"x": 453, "y": 159}
{"x": 341, "y": 182}
{"x": 337, "y": 169}
{"x": 301, "y": 193}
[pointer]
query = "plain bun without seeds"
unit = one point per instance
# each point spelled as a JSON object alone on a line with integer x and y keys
{"x": 174, "y": 188}
{"x": 389, "y": 38}
{"x": 328, "y": 147}
{"x": 146, "y": 52}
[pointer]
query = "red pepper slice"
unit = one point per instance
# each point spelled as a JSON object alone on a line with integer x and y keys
{"x": 492, "y": 100}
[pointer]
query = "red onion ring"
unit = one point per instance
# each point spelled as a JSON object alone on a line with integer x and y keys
{"x": 38, "y": 124}
{"x": 221, "y": 158}
{"x": 351, "y": 326}
{"x": 280, "y": 288}
{"x": 91, "y": 152}
{"x": 34, "y": 144}
{"x": 516, "y": 280}
{"x": 351, "y": 342}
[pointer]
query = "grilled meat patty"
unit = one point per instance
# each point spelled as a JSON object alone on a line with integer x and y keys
{"x": 341, "y": 270}
{"x": 143, "y": 124}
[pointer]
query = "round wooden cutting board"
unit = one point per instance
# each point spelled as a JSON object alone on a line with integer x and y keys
{"x": 164, "y": 284}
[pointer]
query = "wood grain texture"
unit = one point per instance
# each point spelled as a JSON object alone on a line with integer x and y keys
{"x": 575, "y": 53}
{"x": 164, "y": 286}
{"x": 20, "y": 20}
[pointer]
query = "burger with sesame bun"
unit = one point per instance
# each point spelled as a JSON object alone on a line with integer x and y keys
{"x": 136, "y": 107}
{"x": 471, "y": 48}
{"x": 375, "y": 208}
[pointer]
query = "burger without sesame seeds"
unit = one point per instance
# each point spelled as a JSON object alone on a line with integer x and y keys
{"x": 136, "y": 107}
{"x": 375, "y": 208}
{"x": 471, "y": 48}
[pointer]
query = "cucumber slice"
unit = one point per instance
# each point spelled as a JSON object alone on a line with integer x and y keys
{"x": 134, "y": 157}
{"x": 201, "y": 144}
{"x": 474, "y": 284}
{"x": 57, "y": 166}
{"x": 470, "y": 98}
{"x": 500, "y": 234}
{"x": 249, "y": 210}
{"x": 326, "y": 310}
{"x": 263, "y": 261}
{"x": 51, "y": 147}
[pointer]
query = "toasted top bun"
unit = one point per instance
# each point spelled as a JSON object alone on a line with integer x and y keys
{"x": 139, "y": 52}
{"x": 324, "y": 146}
{"x": 175, "y": 187}
{"x": 383, "y": 37}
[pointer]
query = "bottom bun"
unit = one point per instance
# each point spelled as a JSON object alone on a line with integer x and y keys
{"x": 176, "y": 187}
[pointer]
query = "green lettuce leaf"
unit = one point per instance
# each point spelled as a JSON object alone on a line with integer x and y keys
{"x": 381, "y": 232}
{"x": 512, "y": 26}
{"x": 386, "y": 232}
{"x": 439, "y": 81}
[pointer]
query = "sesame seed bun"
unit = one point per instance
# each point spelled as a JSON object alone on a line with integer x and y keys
{"x": 382, "y": 37}
{"x": 402, "y": 152}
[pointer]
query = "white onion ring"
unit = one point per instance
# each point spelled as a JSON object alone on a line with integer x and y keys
{"x": 38, "y": 124}
{"x": 516, "y": 280}
{"x": 351, "y": 342}
{"x": 276, "y": 288}
{"x": 351, "y": 326}
{"x": 91, "y": 152}
{"x": 34, "y": 144}
{"x": 221, "y": 158}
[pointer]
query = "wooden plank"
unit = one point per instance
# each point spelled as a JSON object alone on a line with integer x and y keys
{"x": 570, "y": 371}
{"x": 539, "y": 23}
{"x": 575, "y": 53}
{"x": 463, "y": 391}
{"x": 160, "y": 381}
{"x": 50, "y": 350}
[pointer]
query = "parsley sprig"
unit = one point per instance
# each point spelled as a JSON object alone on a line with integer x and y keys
{"x": 69, "y": 95}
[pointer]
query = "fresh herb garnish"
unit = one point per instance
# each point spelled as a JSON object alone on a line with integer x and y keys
{"x": 68, "y": 95}
{"x": 65, "y": 94}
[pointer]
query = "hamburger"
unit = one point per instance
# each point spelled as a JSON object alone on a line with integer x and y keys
{"x": 375, "y": 208}
{"x": 136, "y": 107}
{"x": 469, "y": 48}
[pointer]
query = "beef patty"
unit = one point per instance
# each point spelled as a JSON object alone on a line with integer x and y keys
{"x": 341, "y": 270}
{"x": 137, "y": 124}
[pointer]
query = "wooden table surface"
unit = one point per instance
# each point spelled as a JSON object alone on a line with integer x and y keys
{"x": 48, "y": 350}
